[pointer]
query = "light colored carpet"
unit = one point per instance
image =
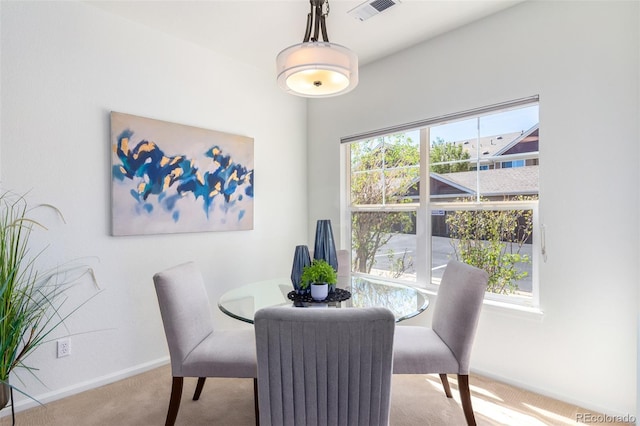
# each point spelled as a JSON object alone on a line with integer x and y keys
{"x": 417, "y": 400}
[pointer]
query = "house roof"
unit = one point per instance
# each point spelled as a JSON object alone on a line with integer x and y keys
{"x": 526, "y": 137}
{"x": 496, "y": 145}
{"x": 489, "y": 145}
{"x": 493, "y": 182}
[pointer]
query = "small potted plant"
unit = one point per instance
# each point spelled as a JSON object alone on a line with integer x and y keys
{"x": 319, "y": 275}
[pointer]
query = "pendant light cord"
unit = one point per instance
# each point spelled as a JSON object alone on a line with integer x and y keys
{"x": 316, "y": 21}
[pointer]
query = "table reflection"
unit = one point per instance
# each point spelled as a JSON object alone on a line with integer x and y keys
{"x": 404, "y": 301}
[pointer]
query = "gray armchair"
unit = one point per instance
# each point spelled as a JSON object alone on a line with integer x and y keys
{"x": 446, "y": 347}
{"x": 196, "y": 349}
{"x": 324, "y": 366}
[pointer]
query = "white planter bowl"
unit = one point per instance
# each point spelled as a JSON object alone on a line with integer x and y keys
{"x": 319, "y": 291}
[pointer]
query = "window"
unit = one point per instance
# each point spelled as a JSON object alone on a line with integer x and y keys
{"x": 481, "y": 204}
{"x": 515, "y": 163}
{"x": 384, "y": 176}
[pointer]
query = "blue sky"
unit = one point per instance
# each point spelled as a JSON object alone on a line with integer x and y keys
{"x": 490, "y": 125}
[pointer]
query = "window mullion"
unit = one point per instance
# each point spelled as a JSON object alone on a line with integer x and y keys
{"x": 385, "y": 207}
{"x": 478, "y": 160}
{"x": 423, "y": 219}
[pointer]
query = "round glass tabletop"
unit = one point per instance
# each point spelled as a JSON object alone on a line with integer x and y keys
{"x": 405, "y": 302}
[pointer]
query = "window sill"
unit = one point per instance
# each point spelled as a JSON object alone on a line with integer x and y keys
{"x": 512, "y": 309}
{"x": 503, "y": 308}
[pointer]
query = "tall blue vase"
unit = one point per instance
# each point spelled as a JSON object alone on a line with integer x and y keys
{"x": 325, "y": 247}
{"x": 301, "y": 258}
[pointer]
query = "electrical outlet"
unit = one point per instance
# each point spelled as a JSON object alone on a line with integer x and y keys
{"x": 64, "y": 347}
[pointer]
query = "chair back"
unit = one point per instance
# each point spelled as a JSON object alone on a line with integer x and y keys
{"x": 324, "y": 366}
{"x": 344, "y": 263}
{"x": 457, "y": 310}
{"x": 185, "y": 310}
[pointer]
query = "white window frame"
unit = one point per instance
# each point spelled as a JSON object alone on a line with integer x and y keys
{"x": 425, "y": 207}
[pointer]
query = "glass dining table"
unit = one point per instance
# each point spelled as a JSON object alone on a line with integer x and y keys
{"x": 404, "y": 301}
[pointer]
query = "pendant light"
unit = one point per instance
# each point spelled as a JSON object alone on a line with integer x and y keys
{"x": 317, "y": 68}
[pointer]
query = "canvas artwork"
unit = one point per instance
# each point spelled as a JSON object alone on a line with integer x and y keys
{"x": 169, "y": 178}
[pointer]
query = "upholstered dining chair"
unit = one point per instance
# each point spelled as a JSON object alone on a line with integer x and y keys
{"x": 324, "y": 366}
{"x": 445, "y": 348}
{"x": 197, "y": 349}
{"x": 344, "y": 265}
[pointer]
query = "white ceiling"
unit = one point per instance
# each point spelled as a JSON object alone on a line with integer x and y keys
{"x": 255, "y": 31}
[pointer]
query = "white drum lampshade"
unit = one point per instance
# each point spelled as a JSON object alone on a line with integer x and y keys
{"x": 317, "y": 69}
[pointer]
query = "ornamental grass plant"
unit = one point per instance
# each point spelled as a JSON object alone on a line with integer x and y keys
{"x": 31, "y": 300}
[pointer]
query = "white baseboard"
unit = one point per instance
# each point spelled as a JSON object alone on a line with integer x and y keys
{"x": 85, "y": 386}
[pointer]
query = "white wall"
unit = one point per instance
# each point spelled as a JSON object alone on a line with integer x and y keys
{"x": 65, "y": 66}
{"x": 582, "y": 59}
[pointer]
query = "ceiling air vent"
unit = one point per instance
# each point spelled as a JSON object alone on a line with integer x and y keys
{"x": 371, "y": 8}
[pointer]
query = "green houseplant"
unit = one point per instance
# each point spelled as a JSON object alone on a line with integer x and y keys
{"x": 319, "y": 273}
{"x": 31, "y": 300}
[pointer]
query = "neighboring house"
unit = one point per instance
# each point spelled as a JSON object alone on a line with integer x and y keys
{"x": 497, "y": 151}
{"x": 508, "y": 167}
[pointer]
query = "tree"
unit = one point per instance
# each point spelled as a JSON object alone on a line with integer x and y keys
{"x": 383, "y": 171}
{"x": 442, "y": 152}
{"x": 492, "y": 240}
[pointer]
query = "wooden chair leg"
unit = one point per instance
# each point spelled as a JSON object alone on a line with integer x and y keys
{"x": 199, "y": 386}
{"x": 255, "y": 401}
{"x": 445, "y": 385}
{"x": 174, "y": 402}
{"x": 465, "y": 397}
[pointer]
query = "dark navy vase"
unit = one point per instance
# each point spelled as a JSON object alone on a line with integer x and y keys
{"x": 301, "y": 258}
{"x": 325, "y": 247}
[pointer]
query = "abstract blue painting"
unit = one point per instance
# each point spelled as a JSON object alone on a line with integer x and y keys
{"x": 169, "y": 178}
